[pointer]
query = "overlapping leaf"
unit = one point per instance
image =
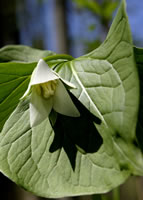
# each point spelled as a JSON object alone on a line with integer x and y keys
{"x": 14, "y": 78}
{"x": 107, "y": 85}
{"x": 22, "y": 53}
{"x": 25, "y": 158}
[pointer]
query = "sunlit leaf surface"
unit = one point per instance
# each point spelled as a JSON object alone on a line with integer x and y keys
{"x": 56, "y": 165}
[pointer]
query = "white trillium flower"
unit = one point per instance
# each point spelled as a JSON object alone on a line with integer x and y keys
{"x": 47, "y": 92}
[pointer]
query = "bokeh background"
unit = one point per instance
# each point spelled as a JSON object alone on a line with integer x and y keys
{"x": 71, "y": 27}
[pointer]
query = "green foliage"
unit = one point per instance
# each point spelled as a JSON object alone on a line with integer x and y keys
{"x": 103, "y": 11}
{"x": 107, "y": 8}
{"x": 15, "y": 75}
{"x": 91, "y": 5}
{"x": 66, "y": 156}
{"x": 22, "y": 53}
{"x": 14, "y": 79}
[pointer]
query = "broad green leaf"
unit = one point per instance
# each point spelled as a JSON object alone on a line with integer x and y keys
{"x": 22, "y": 53}
{"x": 107, "y": 84}
{"x": 14, "y": 79}
{"x": 30, "y": 158}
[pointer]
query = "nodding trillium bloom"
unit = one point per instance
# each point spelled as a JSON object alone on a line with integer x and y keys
{"x": 47, "y": 92}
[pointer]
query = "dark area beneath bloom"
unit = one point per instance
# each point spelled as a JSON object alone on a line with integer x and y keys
{"x": 76, "y": 134}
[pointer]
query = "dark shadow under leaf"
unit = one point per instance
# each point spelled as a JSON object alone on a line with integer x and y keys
{"x": 139, "y": 130}
{"x": 75, "y": 134}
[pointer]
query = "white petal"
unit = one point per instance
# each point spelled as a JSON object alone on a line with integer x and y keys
{"x": 39, "y": 108}
{"x": 27, "y": 91}
{"x": 29, "y": 86}
{"x": 42, "y": 73}
{"x": 62, "y": 102}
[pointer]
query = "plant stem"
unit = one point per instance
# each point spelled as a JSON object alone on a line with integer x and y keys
{"x": 58, "y": 56}
{"x": 116, "y": 194}
{"x": 104, "y": 197}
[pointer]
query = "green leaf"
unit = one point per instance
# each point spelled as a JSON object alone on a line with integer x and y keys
{"x": 22, "y": 53}
{"x": 26, "y": 158}
{"x": 14, "y": 79}
{"x": 108, "y": 85}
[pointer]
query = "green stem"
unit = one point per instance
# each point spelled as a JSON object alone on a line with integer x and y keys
{"x": 104, "y": 197}
{"x": 58, "y": 56}
{"x": 116, "y": 194}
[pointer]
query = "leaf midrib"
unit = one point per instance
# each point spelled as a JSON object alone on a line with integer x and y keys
{"x": 83, "y": 89}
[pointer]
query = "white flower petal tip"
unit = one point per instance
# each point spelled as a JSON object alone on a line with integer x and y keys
{"x": 43, "y": 73}
{"x": 47, "y": 92}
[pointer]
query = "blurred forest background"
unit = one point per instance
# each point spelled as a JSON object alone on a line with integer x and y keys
{"x": 73, "y": 27}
